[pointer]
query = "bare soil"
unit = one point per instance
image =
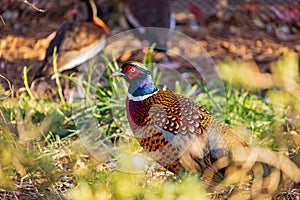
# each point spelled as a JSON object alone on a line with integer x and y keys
{"x": 24, "y": 38}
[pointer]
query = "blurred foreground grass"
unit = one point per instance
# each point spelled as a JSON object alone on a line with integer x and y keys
{"x": 40, "y": 148}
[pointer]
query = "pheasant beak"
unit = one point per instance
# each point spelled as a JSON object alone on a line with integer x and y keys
{"x": 117, "y": 73}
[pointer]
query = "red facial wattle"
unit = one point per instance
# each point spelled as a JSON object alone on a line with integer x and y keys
{"x": 131, "y": 72}
{"x": 127, "y": 69}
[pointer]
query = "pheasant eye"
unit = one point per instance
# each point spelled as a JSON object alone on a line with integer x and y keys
{"x": 132, "y": 70}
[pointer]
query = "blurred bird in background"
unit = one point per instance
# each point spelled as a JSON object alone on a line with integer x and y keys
{"x": 141, "y": 14}
{"x": 76, "y": 41}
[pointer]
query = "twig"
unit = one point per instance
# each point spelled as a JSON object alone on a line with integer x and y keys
{"x": 32, "y": 6}
{"x": 2, "y": 20}
{"x": 9, "y": 86}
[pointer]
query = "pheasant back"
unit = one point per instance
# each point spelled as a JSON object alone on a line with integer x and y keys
{"x": 181, "y": 136}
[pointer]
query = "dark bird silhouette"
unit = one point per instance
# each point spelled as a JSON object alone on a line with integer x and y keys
{"x": 154, "y": 22}
{"x": 156, "y": 13}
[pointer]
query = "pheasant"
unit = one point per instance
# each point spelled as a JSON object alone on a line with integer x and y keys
{"x": 76, "y": 41}
{"x": 181, "y": 136}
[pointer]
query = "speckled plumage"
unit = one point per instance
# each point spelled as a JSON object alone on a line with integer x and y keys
{"x": 173, "y": 123}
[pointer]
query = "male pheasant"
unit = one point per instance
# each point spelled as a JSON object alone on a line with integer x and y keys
{"x": 76, "y": 41}
{"x": 181, "y": 135}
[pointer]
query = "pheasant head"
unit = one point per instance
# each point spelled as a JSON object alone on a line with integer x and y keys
{"x": 139, "y": 78}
